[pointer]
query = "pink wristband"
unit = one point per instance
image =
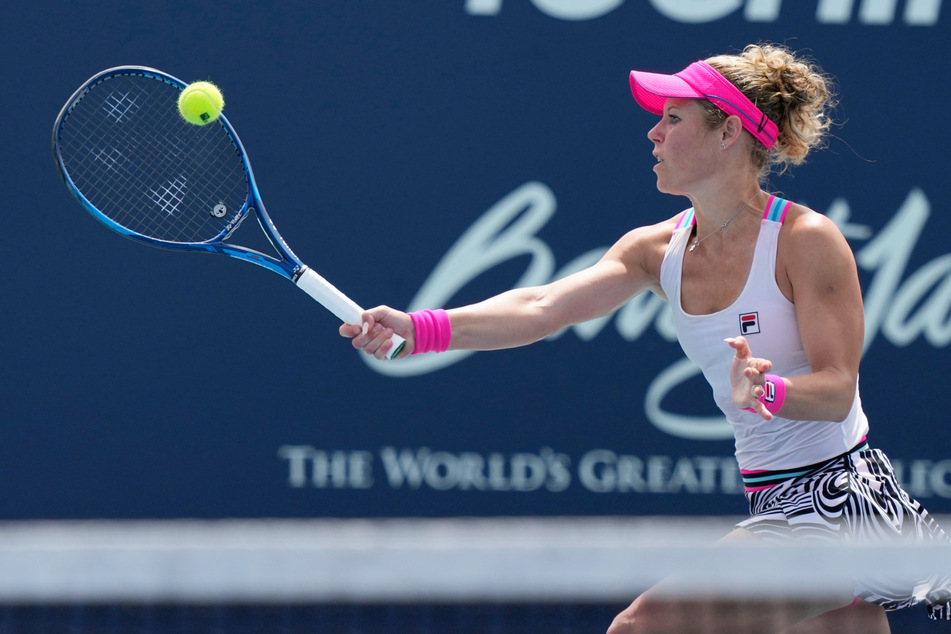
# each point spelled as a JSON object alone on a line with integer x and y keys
{"x": 774, "y": 395}
{"x": 433, "y": 330}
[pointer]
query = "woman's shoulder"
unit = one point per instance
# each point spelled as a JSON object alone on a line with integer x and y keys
{"x": 804, "y": 222}
{"x": 654, "y": 234}
{"x": 811, "y": 236}
{"x": 643, "y": 247}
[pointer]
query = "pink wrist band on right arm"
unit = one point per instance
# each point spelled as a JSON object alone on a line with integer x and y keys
{"x": 433, "y": 330}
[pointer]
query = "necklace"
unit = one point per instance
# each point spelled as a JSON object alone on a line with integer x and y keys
{"x": 698, "y": 240}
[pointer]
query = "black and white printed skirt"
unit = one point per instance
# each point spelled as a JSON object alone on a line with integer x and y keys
{"x": 854, "y": 499}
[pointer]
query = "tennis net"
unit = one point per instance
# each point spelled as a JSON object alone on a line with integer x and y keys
{"x": 403, "y": 575}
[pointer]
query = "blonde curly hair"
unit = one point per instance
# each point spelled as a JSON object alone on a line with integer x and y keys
{"x": 792, "y": 90}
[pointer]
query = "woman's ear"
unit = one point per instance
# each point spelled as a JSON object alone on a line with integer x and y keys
{"x": 730, "y": 131}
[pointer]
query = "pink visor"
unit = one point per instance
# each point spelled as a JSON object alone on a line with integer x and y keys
{"x": 702, "y": 81}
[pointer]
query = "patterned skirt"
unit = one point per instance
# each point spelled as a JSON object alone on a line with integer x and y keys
{"x": 854, "y": 499}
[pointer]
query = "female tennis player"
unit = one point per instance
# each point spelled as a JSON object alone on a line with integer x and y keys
{"x": 766, "y": 300}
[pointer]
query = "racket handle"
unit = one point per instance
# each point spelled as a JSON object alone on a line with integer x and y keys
{"x": 346, "y": 310}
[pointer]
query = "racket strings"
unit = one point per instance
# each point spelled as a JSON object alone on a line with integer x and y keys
{"x": 133, "y": 158}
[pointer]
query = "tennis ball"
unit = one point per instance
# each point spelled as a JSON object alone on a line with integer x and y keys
{"x": 200, "y": 102}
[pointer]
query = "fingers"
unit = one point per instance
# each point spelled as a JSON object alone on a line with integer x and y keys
{"x": 374, "y": 334}
{"x": 743, "y": 352}
{"x": 740, "y": 345}
{"x": 351, "y": 331}
{"x": 748, "y": 376}
{"x": 379, "y": 343}
{"x": 756, "y": 369}
{"x": 756, "y": 372}
{"x": 759, "y": 408}
{"x": 373, "y": 340}
{"x": 754, "y": 404}
{"x": 371, "y": 336}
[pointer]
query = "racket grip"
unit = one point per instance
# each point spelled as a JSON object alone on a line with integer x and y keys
{"x": 346, "y": 310}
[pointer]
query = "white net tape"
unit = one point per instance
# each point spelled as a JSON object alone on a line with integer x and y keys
{"x": 551, "y": 559}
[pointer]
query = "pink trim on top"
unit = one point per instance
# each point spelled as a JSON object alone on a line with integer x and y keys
{"x": 776, "y": 209}
{"x": 687, "y": 219}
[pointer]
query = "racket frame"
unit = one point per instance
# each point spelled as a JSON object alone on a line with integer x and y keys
{"x": 288, "y": 265}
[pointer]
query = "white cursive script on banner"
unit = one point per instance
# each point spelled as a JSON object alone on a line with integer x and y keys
{"x": 899, "y": 307}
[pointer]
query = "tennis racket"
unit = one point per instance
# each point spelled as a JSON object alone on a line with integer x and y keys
{"x": 130, "y": 159}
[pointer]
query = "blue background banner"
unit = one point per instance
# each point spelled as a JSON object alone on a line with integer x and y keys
{"x": 423, "y": 154}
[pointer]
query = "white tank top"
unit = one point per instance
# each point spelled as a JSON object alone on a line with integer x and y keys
{"x": 767, "y": 319}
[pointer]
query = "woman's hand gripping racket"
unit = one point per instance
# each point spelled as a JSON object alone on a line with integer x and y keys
{"x": 130, "y": 159}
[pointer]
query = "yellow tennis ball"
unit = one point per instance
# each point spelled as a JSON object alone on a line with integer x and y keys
{"x": 200, "y": 102}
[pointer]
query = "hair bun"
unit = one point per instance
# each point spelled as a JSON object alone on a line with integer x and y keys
{"x": 790, "y": 89}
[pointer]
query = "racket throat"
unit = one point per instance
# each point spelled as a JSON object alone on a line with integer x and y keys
{"x": 279, "y": 246}
{"x": 250, "y": 246}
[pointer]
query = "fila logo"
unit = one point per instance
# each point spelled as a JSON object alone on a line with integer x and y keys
{"x": 770, "y": 394}
{"x": 749, "y": 323}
